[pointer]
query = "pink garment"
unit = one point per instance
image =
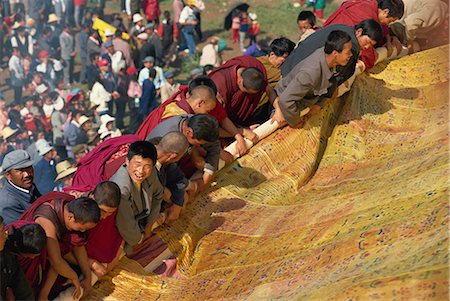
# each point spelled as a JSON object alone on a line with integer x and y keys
{"x": 177, "y": 7}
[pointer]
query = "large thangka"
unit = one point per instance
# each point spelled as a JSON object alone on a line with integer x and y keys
{"x": 353, "y": 206}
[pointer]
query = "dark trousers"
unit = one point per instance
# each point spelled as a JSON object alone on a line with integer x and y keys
{"x": 18, "y": 94}
{"x": 121, "y": 104}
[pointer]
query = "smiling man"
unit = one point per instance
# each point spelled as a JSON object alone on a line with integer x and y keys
{"x": 19, "y": 191}
{"x": 141, "y": 194}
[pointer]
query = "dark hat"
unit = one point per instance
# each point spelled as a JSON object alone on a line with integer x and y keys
{"x": 168, "y": 74}
{"x": 108, "y": 44}
{"x": 149, "y": 59}
{"x": 16, "y": 159}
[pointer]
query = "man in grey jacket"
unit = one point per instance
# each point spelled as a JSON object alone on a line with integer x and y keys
{"x": 67, "y": 43}
{"x": 301, "y": 92}
{"x": 202, "y": 133}
{"x": 141, "y": 194}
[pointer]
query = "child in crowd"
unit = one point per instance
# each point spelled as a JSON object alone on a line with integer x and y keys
{"x": 254, "y": 28}
{"x": 243, "y": 29}
{"x": 235, "y": 25}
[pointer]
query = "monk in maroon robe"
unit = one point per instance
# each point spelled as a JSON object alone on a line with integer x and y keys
{"x": 240, "y": 82}
{"x": 64, "y": 220}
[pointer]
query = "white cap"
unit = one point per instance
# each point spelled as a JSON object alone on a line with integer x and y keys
{"x": 137, "y": 18}
{"x": 58, "y": 104}
{"x": 252, "y": 16}
{"x": 142, "y": 36}
{"x": 41, "y": 88}
{"x": 43, "y": 147}
{"x": 108, "y": 32}
{"x": 106, "y": 118}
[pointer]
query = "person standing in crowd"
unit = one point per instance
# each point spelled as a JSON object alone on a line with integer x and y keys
{"x": 17, "y": 72}
{"x": 188, "y": 21}
{"x": 45, "y": 169}
{"x": 67, "y": 42}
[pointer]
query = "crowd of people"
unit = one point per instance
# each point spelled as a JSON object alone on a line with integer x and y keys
{"x": 81, "y": 186}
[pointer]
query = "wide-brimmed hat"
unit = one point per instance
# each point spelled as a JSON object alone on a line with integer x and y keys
{"x": 106, "y": 118}
{"x": 52, "y": 18}
{"x": 43, "y": 148}
{"x": 83, "y": 119}
{"x": 137, "y": 18}
{"x": 105, "y": 134}
{"x": 64, "y": 169}
{"x": 16, "y": 160}
{"x": 79, "y": 148}
{"x": 8, "y": 132}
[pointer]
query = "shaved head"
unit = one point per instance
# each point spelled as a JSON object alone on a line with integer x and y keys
{"x": 203, "y": 92}
{"x": 173, "y": 142}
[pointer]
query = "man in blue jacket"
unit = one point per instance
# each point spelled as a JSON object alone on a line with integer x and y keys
{"x": 19, "y": 190}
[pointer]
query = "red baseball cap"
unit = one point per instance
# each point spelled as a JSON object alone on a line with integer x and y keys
{"x": 131, "y": 70}
{"x": 43, "y": 54}
{"x": 102, "y": 63}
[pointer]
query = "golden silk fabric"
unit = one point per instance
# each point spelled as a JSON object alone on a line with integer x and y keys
{"x": 353, "y": 206}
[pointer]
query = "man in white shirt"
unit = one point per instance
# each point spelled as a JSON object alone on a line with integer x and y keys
{"x": 17, "y": 73}
{"x": 188, "y": 21}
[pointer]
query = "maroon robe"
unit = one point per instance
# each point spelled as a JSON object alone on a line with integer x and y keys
{"x": 104, "y": 240}
{"x": 155, "y": 117}
{"x": 31, "y": 267}
{"x": 101, "y": 163}
{"x": 238, "y": 105}
{"x": 352, "y": 12}
{"x": 34, "y": 268}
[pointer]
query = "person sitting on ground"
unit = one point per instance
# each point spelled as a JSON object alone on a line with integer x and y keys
{"x": 21, "y": 242}
{"x": 306, "y": 22}
{"x": 297, "y": 93}
{"x": 19, "y": 190}
{"x": 202, "y": 132}
{"x": 141, "y": 194}
{"x": 211, "y": 52}
{"x": 65, "y": 220}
